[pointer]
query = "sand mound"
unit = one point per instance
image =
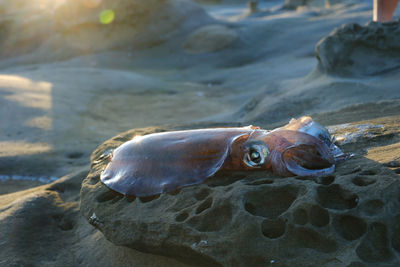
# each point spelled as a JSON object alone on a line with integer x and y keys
{"x": 361, "y": 50}
{"x": 210, "y": 38}
{"x": 343, "y": 218}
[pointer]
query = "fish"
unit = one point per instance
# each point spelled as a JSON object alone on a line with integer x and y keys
{"x": 163, "y": 162}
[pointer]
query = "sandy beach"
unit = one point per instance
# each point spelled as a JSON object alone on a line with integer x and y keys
{"x": 71, "y": 79}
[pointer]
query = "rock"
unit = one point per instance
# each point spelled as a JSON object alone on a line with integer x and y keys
{"x": 44, "y": 214}
{"x": 42, "y": 226}
{"x": 352, "y": 133}
{"x": 209, "y": 39}
{"x": 79, "y": 27}
{"x": 253, "y": 6}
{"x": 223, "y": 2}
{"x": 258, "y": 219}
{"x": 360, "y": 50}
{"x": 294, "y": 4}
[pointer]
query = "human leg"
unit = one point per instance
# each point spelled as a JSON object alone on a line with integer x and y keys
{"x": 384, "y": 9}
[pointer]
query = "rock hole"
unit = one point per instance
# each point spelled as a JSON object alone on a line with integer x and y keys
{"x": 372, "y": 207}
{"x": 107, "y": 196}
{"x": 223, "y": 180}
{"x": 94, "y": 180}
{"x": 363, "y": 181}
{"x": 57, "y": 217}
{"x": 273, "y": 228}
{"x": 182, "y": 216}
{"x": 396, "y": 234}
{"x": 319, "y": 217}
{"x": 250, "y": 207}
{"x": 149, "y": 198}
{"x": 60, "y": 188}
{"x": 307, "y": 238}
{"x": 116, "y": 199}
{"x": 397, "y": 170}
{"x": 250, "y": 260}
{"x": 205, "y": 205}
{"x": 63, "y": 223}
{"x": 355, "y": 170}
{"x": 350, "y": 227}
{"x": 369, "y": 172}
{"x": 270, "y": 202}
{"x": 122, "y": 139}
{"x": 66, "y": 225}
{"x": 392, "y": 164}
{"x": 202, "y": 194}
{"x": 213, "y": 219}
{"x": 374, "y": 247}
{"x": 75, "y": 155}
{"x": 130, "y": 198}
{"x": 325, "y": 180}
{"x": 260, "y": 182}
{"x": 175, "y": 192}
{"x": 300, "y": 216}
{"x": 356, "y": 264}
{"x": 334, "y": 197}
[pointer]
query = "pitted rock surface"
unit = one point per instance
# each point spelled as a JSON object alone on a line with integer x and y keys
{"x": 352, "y": 49}
{"x": 349, "y": 218}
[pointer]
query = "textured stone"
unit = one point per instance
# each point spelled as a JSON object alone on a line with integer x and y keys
{"x": 360, "y": 50}
{"x": 42, "y": 226}
{"x": 256, "y": 218}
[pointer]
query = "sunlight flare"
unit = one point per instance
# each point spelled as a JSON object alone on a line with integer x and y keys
{"x": 107, "y": 16}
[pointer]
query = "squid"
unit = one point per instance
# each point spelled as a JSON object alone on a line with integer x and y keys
{"x": 163, "y": 162}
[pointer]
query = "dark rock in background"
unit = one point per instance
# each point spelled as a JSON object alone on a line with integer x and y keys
{"x": 294, "y": 4}
{"x": 210, "y": 38}
{"x": 352, "y": 49}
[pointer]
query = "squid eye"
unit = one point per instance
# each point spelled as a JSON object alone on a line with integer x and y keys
{"x": 255, "y": 155}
